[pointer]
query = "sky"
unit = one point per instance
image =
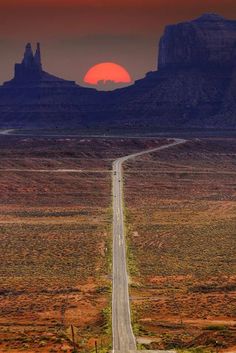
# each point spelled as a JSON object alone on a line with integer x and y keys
{"x": 77, "y": 34}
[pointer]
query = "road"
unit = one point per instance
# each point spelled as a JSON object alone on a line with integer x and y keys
{"x": 123, "y": 336}
{"x": 6, "y": 131}
{"x": 122, "y": 333}
{"x": 81, "y": 171}
{"x": 132, "y": 135}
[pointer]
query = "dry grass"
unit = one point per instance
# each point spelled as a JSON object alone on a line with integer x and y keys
{"x": 181, "y": 221}
{"x": 55, "y": 232}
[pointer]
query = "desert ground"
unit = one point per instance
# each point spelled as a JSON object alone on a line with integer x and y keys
{"x": 180, "y": 216}
{"x": 55, "y": 221}
{"x": 55, "y": 263}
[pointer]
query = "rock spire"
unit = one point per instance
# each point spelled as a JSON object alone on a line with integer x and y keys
{"x": 37, "y": 56}
{"x": 30, "y": 68}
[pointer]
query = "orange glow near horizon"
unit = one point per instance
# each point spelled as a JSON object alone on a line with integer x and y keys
{"x": 107, "y": 72}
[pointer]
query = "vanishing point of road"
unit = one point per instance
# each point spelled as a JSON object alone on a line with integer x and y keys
{"x": 122, "y": 333}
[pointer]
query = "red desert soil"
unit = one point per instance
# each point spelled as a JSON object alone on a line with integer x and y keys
{"x": 181, "y": 207}
{"x": 56, "y": 239}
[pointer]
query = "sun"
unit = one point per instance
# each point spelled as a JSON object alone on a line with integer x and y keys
{"x": 107, "y": 72}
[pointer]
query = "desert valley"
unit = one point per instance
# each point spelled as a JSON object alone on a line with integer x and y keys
{"x": 117, "y": 209}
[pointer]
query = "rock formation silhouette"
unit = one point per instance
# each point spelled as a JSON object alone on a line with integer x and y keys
{"x": 195, "y": 84}
{"x": 210, "y": 40}
{"x": 193, "y": 87}
{"x": 30, "y": 71}
{"x": 34, "y": 98}
{"x": 31, "y": 68}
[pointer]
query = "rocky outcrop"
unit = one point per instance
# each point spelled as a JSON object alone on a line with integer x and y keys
{"x": 208, "y": 41}
{"x": 30, "y": 72}
{"x": 35, "y": 98}
{"x": 194, "y": 87}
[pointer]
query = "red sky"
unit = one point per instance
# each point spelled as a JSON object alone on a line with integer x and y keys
{"x": 76, "y": 34}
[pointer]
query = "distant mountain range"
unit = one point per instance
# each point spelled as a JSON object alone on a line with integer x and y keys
{"x": 194, "y": 87}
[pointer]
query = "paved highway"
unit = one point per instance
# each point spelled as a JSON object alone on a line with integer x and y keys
{"x": 123, "y": 336}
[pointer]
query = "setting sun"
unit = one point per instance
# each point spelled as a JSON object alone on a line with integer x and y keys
{"x": 107, "y": 72}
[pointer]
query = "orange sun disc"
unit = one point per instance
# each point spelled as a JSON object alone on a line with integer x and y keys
{"x": 107, "y": 72}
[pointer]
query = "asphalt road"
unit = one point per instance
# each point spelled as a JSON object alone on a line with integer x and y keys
{"x": 185, "y": 134}
{"x": 123, "y": 336}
